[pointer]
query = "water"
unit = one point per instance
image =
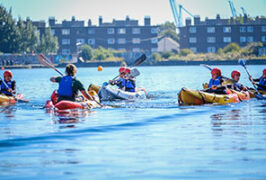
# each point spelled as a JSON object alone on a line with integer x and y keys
{"x": 148, "y": 139}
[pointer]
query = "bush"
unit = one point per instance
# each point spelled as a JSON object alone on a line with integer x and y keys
{"x": 86, "y": 52}
{"x": 156, "y": 56}
{"x": 185, "y": 52}
{"x": 166, "y": 54}
{"x": 102, "y": 53}
{"x": 233, "y": 47}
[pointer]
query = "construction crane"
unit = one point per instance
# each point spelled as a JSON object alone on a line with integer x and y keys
{"x": 232, "y": 7}
{"x": 178, "y": 15}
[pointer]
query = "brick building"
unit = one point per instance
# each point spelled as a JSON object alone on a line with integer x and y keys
{"x": 212, "y": 34}
{"x": 126, "y": 35}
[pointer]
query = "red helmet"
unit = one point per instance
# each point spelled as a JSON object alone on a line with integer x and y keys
{"x": 122, "y": 69}
{"x": 235, "y": 72}
{"x": 127, "y": 70}
{"x": 8, "y": 73}
{"x": 216, "y": 71}
{"x": 264, "y": 71}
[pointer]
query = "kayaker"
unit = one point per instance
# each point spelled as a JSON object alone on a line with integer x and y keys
{"x": 261, "y": 80}
{"x": 8, "y": 87}
{"x": 69, "y": 85}
{"x": 215, "y": 82}
{"x": 237, "y": 86}
{"x": 125, "y": 82}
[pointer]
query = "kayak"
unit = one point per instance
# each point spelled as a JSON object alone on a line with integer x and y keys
{"x": 242, "y": 95}
{"x": 107, "y": 93}
{"x": 194, "y": 97}
{"x": 11, "y": 99}
{"x": 253, "y": 92}
{"x": 81, "y": 102}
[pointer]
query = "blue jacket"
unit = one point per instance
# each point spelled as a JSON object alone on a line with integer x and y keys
{"x": 10, "y": 84}
{"x": 262, "y": 84}
{"x": 127, "y": 83}
{"x": 65, "y": 87}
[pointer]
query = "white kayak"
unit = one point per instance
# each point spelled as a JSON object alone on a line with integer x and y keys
{"x": 107, "y": 93}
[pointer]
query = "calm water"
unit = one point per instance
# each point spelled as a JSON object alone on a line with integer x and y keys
{"x": 148, "y": 139}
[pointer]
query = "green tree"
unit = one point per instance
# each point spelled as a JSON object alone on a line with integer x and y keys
{"x": 29, "y": 36}
{"x": 86, "y": 52}
{"x": 252, "y": 49}
{"x": 232, "y": 47}
{"x": 9, "y": 32}
{"x": 48, "y": 43}
{"x": 168, "y": 29}
{"x": 167, "y": 54}
{"x": 156, "y": 56}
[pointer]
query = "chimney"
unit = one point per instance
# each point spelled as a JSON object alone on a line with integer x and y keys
{"x": 89, "y": 22}
{"x": 51, "y": 21}
{"x": 100, "y": 20}
{"x": 147, "y": 21}
{"x": 188, "y": 21}
{"x": 73, "y": 18}
{"x": 196, "y": 20}
{"x": 245, "y": 19}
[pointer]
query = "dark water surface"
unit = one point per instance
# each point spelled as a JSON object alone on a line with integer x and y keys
{"x": 147, "y": 139}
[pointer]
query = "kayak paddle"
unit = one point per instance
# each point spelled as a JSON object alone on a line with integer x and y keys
{"x": 242, "y": 62}
{"x": 45, "y": 61}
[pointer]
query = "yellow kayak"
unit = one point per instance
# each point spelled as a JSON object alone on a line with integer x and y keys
{"x": 7, "y": 99}
{"x": 194, "y": 97}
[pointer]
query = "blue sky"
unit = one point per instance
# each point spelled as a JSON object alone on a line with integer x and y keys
{"x": 158, "y": 10}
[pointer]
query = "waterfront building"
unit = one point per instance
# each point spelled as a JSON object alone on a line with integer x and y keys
{"x": 125, "y": 35}
{"x": 210, "y": 35}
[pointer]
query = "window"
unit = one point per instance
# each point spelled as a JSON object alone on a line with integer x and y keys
{"x": 211, "y": 29}
{"x": 211, "y": 49}
{"x": 110, "y": 31}
{"x": 263, "y": 28}
{"x": 193, "y": 49}
{"x": 154, "y": 40}
{"x": 136, "y": 31}
{"x": 111, "y": 41}
{"x": 263, "y": 38}
{"x": 211, "y": 39}
{"x": 243, "y": 39}
{"x": 136, "y": 40}
{"x": 121, "y": 31}
{"x": 192, "y": 40}
{"x": 153, "y": 50}
{"x": 65, "y": 31}
{"x": 136, "y": 49}
{"x": 53, "y": 31}
{"x": 154, "y": 30}
{"x": 242, "y": 29}
{"x": 121, "y": 41}
{"x": 91, "y": 31}
{"x": 227, "y": 39}
{"x": 227, "y": 29}
{"x": 65, "y": 41}
{"x": 91, "y": 41}
{"x": 65, "y": 51}
{"x": 192, "y": 29}
{"x": 81, "y": 41}
{"x": 250, "y": 39}
{"x": 250, "y": 29}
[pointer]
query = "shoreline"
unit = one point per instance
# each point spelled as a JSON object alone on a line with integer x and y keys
{"x": 147, "y": 63}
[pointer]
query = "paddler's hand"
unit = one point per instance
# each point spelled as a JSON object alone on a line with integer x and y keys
{"x": 214, "y": 87}
{"x": 9, "y": 90}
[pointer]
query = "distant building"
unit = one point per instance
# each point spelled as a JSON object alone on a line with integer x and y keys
{"x": 125, "y": 35}
{"x": 167, "y": 44}
{"x": 212, "y": 34}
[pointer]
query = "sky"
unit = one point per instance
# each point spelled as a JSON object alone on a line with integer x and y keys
{"x": 158, "y": 10}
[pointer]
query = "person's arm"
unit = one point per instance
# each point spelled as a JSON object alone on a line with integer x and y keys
{"x": 86, "y": 95}
{"x": 55, "y": 79}
{"x": 14, "y": 88}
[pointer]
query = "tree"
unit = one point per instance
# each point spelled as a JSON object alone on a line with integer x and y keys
{"x": 252, "y": 49}
{"x": 166, "y": 54}
{"x": 102, "y": 53}
{"x": 185, "y": 52}
{"x": 48, "y": 43}
{"x": 9, "y": 32}
{"x": 168, "y": 29}
{"x": 156, "y": 56}
{"x": 86, "y": 52}
{"x": 232, "y": 47}
{"x": 29, "y": 36}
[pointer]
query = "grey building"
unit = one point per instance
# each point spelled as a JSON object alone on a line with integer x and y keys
{"x": 212, "y": 34}
{"x": 124, "y": 35}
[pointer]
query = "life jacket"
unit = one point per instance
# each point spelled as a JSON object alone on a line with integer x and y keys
{"x": 4, "y": 88}
{"x": 238, "y": 86}
{"x": 129, "y": 85}
{"x": 262, "y": 82}
{"x": 215, "y": 82}
{"x": 65, "y": 87}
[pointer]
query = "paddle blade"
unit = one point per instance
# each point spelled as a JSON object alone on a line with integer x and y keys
{"x": 140, "y": 60}
{"x": 242, "y": 62}
{"x": 206, "y": 66}
{"x": 44, "y": 61}
{"x": 134, "y": 73}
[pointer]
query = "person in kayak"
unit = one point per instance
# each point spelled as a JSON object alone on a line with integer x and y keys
{"x": 215, "y": 83}
{"x": 69, "y": 85}
{"x": 261, "y": 80}
{"x": 8, "y": 87}
{"x": 237, "y": 86}
{"x": 125, "y": 82}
